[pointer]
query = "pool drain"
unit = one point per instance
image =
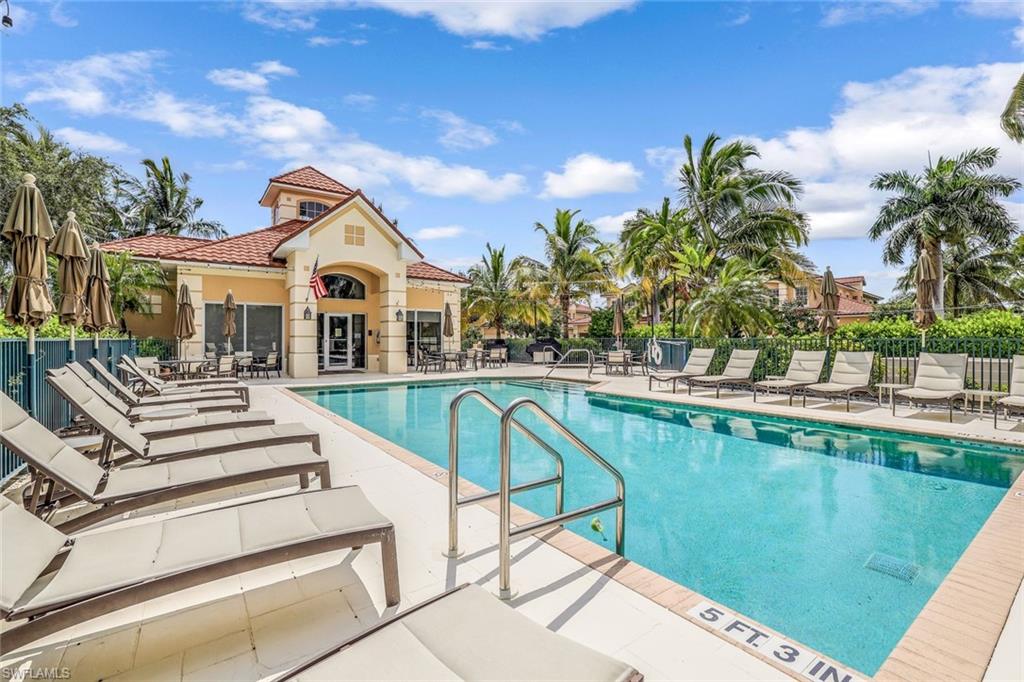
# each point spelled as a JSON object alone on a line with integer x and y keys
{"x": 894, "y": 567}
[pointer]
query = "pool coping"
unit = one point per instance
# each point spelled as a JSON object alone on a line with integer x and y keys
{"x": 952, "y": 638}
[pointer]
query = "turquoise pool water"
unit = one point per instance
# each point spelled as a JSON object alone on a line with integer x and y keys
{"x": 774, "y": 518}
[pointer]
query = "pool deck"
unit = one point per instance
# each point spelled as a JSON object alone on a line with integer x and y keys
{"x": 259, "y": 624}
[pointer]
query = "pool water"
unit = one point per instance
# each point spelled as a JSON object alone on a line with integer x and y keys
{"x": 835, "y": 537}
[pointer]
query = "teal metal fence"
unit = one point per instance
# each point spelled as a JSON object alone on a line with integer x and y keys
{"x": 44, "y": 403}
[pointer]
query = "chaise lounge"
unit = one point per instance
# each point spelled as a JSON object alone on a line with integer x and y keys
{"x": 159, "y": 386}
{"x": 1015, "y": 401}
{"x": 697, "y": 364}
{"x": 851, "y": 374}
{"x": 57, "y": 581}
{"x": 940, "y": 378}
{"x": 122, "y": 489}
{"x": 130, "y": 397}
{"x": 736, "y": 373}
{"x": 804, "y": 369}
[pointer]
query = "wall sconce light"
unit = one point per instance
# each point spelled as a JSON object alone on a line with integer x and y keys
{"x": 307, "y": 314}
{"x": 399, "y": 315}
{"x": 7, "y": 21}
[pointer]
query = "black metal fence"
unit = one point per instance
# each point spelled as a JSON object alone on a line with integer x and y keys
{"x": 50, "y": 409}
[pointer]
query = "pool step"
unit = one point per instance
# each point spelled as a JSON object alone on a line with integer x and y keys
{"x": 894, "y": 567}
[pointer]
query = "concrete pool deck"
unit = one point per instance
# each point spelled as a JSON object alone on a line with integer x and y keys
{"x": 258, "y": 624}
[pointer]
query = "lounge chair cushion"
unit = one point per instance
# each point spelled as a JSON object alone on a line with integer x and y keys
{"x": 779, "y": 383}
{"x": 467, "y": 635}
{"x": 200, "y": 421}
{"x": 927, "y": 394}
{"x": 940, "y": 372}
{"x": 1017, "y": 378}
{"x": 1012, "y": 401}
{"x": 224, "y": 438}
{"x": 43, "y": 450}
{"x": 833, "y": 387}
{"x": 741, "y": 364}
{"x": 805, "y": 366}
{"x": 109, "y": 559}
{"x": 92, "y": 407}
{"x": 28, "y": 545}
{"x": 851, "y": 369}
{"x": 135, "y": 480}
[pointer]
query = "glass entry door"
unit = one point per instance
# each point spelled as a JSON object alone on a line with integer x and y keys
{"x": 337, "y": 341}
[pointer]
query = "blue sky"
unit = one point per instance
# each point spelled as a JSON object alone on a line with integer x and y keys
{"x": 469, "y": 121}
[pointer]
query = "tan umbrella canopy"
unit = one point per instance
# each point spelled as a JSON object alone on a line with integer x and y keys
{"x": 449, "y": 324}
{"x": 229, "y": 328}
{"x": 618, "y": 323}
{"x": 185, "y": 322}
{"x": 927, "y": 279}
{"x": 72, "y": 273}
{"x": 28, "y": 228}
{"x": 99, "y": 314}
{"x": 829, "y": 303}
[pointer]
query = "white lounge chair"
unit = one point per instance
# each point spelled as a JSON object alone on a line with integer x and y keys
{"x": 1015, "y": 401}
{"x": 58, "y": 581}
{"x": 159, "y": 386}
{"x": 697, "y": 364}
{"x": 940, "y": 378}
{"x": 463, "y": 634}
{"x": 199, "y": 395}
{"x": 851, "y": 374}
{"x": 736, "y": 373}
{"x": 804, "y": 369}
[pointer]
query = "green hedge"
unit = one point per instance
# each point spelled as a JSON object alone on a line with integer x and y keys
{"x": 52, "y": 329}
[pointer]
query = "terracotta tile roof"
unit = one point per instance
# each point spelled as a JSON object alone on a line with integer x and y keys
{"x": 424, "y": 270}
{"x": 849, "y": 306}
{"x": 251, "y": 248}
{"x": 153, "y": 245}
{"x": 310, "y": 177}
{"x": 857, "y": 279}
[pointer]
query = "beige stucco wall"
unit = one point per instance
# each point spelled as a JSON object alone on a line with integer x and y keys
{"x": 287, "y": 203}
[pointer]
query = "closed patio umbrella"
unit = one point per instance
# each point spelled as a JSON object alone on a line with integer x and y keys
{"x": 229, "y": 328}
{"x": 829, "y": 303}
{"x": 185, "y": 322}
{"x": 99, "y": 315}
{"x": 72, "y": 272}
{"x": 926, "y": 280}
{"x": 449, "y": 325}
{"x": 618, "y": 324}
{"x": 28, "y": 228}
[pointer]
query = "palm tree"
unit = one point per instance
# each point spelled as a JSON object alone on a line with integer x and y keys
{"x": 578, "y": 264}
{"x": 649, "y": 241}
{"x": 1012, "y": 119}
{"x": 734, "y": 302}
{"x": 496, "y": 295}
{"x": 953, "y": 203}
{"x": 131, "y": 283}
{"x": 162, "y": 204}
{"x": 975, "y": 275}
{"x": 736, "y": 210}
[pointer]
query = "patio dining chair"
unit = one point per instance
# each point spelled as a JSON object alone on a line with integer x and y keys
{"x": 1015, "y": 401}
{"x": 697, "y": 364}
{"x": 939, "y": 379}
{"x": 620, "y": 361}
{"x": 271, "y": 363}
{"x": 118, "y": 490}
{"x": 851, "y": 374}
{"x": 804, "y": 369}
{"x": 57, "y": 581}
{"x": 496, "y": 357}
{"x": 736, "y": 373}
{"x": 428, "y": 360}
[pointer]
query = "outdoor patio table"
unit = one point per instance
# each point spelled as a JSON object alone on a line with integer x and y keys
{"x": 892, "y": 391}
{"x": 183, "y": 368}
{"x": 979, "y": 395}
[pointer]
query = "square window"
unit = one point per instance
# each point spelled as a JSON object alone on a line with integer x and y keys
{"x": 156, "y": 304}
{"x": 355, "y": 235}
{"x": 801, "y": 295}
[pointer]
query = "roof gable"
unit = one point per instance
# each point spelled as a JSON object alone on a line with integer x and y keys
{"x": 308, "y": 178}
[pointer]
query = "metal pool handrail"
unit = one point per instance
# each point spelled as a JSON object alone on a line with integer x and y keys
{"x": 505, "y": 530}
{"x": 590, "y": 361}
{"x": 454, "y": 502}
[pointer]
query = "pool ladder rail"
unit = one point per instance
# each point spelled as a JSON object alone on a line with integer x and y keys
{"x": 505, "y": 488}
{"x": 570, "y": 353}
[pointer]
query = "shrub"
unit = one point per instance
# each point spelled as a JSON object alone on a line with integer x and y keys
{"x": 987, "y": 324}
{"x": 52, "y": 329}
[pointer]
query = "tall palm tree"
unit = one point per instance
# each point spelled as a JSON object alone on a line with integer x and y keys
{"x": 737, "y": 210}
{"x": 734, "y": 302}
{"x": 649, "y": 241}
{"x": 953, "y": 203}
{"x": 975, "y": 275}
{"x": 578, "y": 264}
{"x": 162, "y": 203}
{"x": 1012, "y": 119}
{"x": 496, "y": 295}
{"x": 131, "y": 283}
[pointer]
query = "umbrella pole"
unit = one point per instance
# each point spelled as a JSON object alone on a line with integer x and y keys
{"x": 95, "y": 344}
{"x": 71, "y": 345}
{"x": 30, "y": 372}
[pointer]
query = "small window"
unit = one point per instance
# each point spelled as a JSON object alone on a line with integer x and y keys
{"x": 308, "y": 210}
{"x": 355, "y": 235}
{"x": 801, "y": 295}
{"x": 156, "y": 304}
{"x": 343, "y": 286}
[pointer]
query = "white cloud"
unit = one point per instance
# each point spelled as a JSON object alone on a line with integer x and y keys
{"x": 739, "y": 19}
{"x": 225, "y": 166}
{"x": 487, "y": 45}
{"x": 611, "y": 225}
{"x": 840, "y": 13}
{"x": 355, "y": 42}
{"x": 59, "y": 17}
{"x": 360, "y": 100}
{"x": 442, "y": 232}
{"x": 458, "y": 133}
{"x": 522, "y": 20}
{"x": 456, "y": 263}
{"x": 587, "y": 174}
{"x": 93, "y": 142}
{"x": 237, "y": 79}
{"x": 23, "y": 19}
{"x": 80, "y": 85}
{"x": 275, "y": 68}
{"x": 322, "y": 41}
{"x": 884, "y": 125}
{"x": 181, "y": 117}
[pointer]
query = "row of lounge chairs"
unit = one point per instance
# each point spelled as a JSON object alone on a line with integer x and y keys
{"x": 940, "y": 378}
{"x": 143, "y": 453}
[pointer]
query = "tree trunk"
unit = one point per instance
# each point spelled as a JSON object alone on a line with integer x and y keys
{"x": 565, "y": 316}
{"x": 940, "y": 286}
{"x": 656, "y": 308}
{"x": 673, "y": 306}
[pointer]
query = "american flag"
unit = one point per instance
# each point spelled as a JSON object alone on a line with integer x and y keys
{"x": 316, "y": 282}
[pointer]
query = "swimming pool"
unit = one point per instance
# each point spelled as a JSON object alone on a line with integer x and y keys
{"x": 835, "y": 537}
